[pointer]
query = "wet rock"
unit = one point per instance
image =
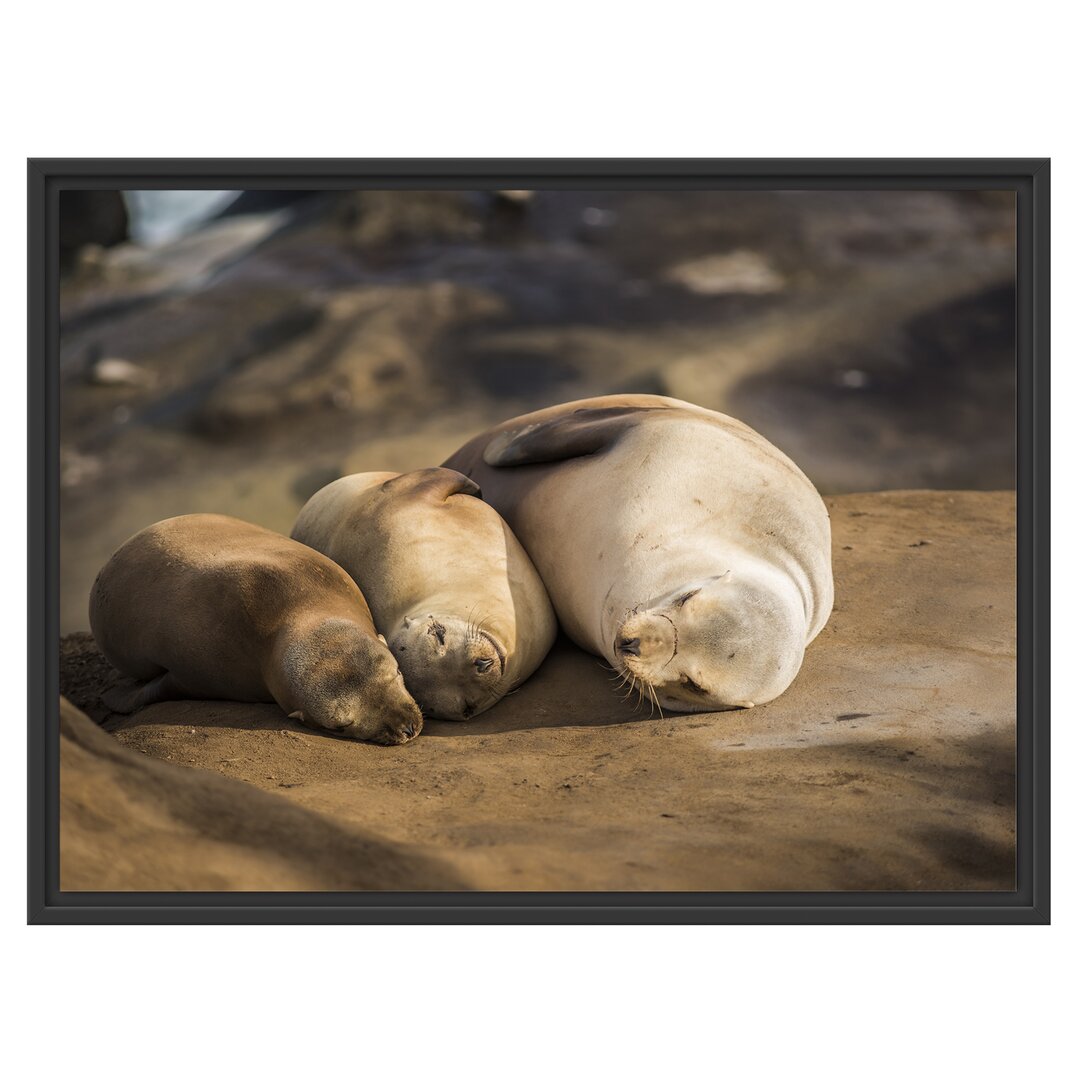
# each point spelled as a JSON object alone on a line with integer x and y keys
{"x": 379, "y": 219}
{"x": 181, "y": 345}
{"x": 77, "y": 468}
{"x": 928, "y": 402}
{"x": 128, "y": 277}
{"x": 730, "y": 272}
{"x": 373, "y": 347}
{"x": 116, "y": 371}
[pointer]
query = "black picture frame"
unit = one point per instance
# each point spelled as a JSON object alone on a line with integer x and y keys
{"x": 1029, "y": 178}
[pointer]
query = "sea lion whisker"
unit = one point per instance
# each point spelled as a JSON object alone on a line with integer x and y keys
{"x": 656, "y": 702}
{"x": 480, "y": 629}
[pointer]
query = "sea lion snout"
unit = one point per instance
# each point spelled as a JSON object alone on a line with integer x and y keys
{"x": 402, "y": 717}
{"x": 452, "y": 666}
{"x": 647, "y": 640}
{"x": 401, "y": 731}
{"x": 387, "y": 715}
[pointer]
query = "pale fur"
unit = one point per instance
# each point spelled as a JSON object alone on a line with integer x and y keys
{"x": 424, "y": 559}
{"x": 685, "y": 498}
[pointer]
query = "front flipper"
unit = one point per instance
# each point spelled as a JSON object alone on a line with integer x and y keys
{"x": 435, "y": 484}
{"x": 127, "y": 698}
{"x": 585, "y": 431}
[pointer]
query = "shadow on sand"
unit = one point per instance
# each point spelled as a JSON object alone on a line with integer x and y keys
{"x": 571, "y": 688}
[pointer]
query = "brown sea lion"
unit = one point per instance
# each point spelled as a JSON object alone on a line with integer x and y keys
{"x": 206, "y": 606}
{"x": 461, "y": 605}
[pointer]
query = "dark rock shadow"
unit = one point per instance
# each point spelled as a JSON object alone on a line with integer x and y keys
{"x": 932, "y": 400}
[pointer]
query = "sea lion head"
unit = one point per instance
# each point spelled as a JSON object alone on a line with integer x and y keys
{"x": 724, "y": 642}
{"x": 346, "y": 681}
{"x": 453, "y": 666}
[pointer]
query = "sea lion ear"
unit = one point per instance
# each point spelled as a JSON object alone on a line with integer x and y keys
{"x": 436, "y": 483}
{"x": 467, "y": 486}
{"x": 576, "y": 434}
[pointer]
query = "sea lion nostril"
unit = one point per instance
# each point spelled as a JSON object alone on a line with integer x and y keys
{"x": 630, "y": 646}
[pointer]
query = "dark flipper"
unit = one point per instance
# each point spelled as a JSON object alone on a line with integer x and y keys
{"x": 436, "y": 484}
{"x": 127, "y": 698}
{"x": 586, "y": 431}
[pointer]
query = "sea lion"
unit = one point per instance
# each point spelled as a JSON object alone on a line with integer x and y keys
{"x": 205, "y": 606}
{"x": 462, "y": 607}
{"x": 674, "y": 541}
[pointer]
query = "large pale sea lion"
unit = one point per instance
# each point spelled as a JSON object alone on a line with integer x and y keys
{"x": 674, "y": 541}
{"x": 461, "y": 605}
{"x": 205, "y": 606}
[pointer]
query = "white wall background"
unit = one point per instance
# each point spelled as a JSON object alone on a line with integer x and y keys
{"x": 553, "y": 79}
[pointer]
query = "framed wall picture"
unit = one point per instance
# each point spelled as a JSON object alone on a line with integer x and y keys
{"x": 539, "y": 541}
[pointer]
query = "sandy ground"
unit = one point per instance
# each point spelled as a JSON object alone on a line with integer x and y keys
{"x": 128, "y": 822}
{"x": 889, "y": 764}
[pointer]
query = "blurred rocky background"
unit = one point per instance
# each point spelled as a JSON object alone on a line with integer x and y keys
{"x": 234, "y": 352}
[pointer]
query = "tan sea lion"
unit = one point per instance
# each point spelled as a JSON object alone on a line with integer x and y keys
{"x": 462, "y": 608}
{"x": 205, "y": 606}
{"x": 674, "y": 541}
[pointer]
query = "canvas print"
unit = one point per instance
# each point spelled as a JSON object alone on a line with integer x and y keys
{"x": 537, "y": 540}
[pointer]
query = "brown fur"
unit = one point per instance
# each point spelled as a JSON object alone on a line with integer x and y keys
{"x": 207, "y": 606}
